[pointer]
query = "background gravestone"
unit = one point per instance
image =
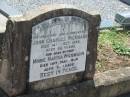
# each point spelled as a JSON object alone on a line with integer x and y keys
{"x": 52, "y": 46}
{"x": 126, "y": 1}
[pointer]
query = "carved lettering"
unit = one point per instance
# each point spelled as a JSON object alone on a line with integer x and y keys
{"x": 58, "y": 47}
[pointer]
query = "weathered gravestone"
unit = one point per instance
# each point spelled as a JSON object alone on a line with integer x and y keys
{"x": 49, "y": 47}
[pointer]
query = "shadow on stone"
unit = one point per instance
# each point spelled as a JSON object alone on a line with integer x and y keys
{"x": 3, "y": 94}
{"x": 125, "y": 95}
{"x": 126, "y": 1}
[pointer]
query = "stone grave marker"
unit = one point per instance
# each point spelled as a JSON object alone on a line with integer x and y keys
{"x": 49, "y": 47}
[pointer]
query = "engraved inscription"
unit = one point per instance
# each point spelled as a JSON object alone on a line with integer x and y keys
{"x": 58, "y": 47}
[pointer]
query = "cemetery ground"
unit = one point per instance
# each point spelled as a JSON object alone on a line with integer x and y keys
{"x": 113, "y": 50}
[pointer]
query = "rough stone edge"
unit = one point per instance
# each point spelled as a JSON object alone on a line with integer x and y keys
{"x": 107, "y": 84}
{"x": 1, "y": 43}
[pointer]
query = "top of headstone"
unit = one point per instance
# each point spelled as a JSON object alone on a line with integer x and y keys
{"x": 47, "y": 8}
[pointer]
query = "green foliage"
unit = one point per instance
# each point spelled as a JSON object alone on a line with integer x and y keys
{"x": 121, "y": 49}
{"x": 117, "y": 40}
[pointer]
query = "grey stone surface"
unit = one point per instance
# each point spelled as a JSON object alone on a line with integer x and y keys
{"x": 15, "y": 71}
{"x": 106, "y": 8}
{"x": 108, "y": 84}
{"x": 105, "y": 84}
{"x": 3, "y": 20}
{"x": 125, "y": 95}
{"x": 8, "y": 10}
{"x": 2, "y": 94}
{"x": 102, "y": 6}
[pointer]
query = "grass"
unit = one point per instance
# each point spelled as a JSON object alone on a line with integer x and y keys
{"x": 113, "y": 50}
{"x": 117, "y": 40}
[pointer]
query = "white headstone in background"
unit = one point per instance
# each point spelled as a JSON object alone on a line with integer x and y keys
{"x": 58, "y": 47}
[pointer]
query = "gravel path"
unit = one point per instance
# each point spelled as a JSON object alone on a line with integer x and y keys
{"x": 107, "y": 8}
